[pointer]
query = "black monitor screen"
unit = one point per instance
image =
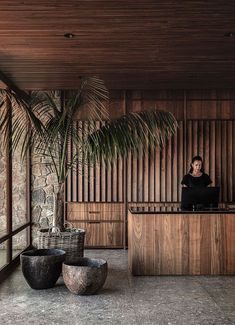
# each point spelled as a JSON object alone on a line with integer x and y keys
{"x": 199, "y": 198}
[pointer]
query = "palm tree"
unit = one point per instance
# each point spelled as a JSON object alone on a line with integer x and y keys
{"x": 132, "y": 132}
{"x": 51, "y": 130}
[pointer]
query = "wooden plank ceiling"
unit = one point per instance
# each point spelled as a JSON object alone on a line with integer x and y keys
{"x": 131, "y": 44}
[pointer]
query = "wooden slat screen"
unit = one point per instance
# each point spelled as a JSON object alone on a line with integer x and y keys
{"x": 156, "y": 176}
{"x": 100, "y": 182}
{"x": 214, "y": 140}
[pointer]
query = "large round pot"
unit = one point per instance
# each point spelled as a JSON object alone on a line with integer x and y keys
{"x": 85, "y": 276}
{"x": 42, "y": 267}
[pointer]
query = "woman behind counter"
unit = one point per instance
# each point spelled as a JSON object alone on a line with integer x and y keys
{"x": 196, "y": 176}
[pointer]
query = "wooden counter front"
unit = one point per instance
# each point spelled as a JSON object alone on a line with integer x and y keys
{"x": 181, "y": 243}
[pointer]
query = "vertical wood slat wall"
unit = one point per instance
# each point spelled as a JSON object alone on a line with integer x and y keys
{"x": 100, "y": 182}
{"x": 214, "y": 140}
{"x": 156, "y": 176}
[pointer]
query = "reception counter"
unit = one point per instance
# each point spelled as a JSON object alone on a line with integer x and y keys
{"x": 169, "y": 241}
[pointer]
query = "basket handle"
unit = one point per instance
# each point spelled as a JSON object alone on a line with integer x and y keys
{"x": 70, "y": 225}
{"x": 57, "y": 230}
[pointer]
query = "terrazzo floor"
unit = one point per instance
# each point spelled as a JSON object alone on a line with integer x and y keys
{"x": 124, "y": 299}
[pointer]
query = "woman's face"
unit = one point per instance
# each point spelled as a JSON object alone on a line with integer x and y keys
{"x": 197, "y": 165}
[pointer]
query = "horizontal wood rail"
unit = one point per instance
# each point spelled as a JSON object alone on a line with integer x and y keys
{"x": 14, "y": 232}
{"x": 93, "y": 221}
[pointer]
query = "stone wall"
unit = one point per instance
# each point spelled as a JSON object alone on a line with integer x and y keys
{"x": 44, "y": 184}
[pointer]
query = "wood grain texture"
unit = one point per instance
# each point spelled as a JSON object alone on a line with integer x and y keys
{"x": 102, "y": 234}
{"x": 208, "y": 130}
{"x": 103, "y": 222}
{"x": 114, "y": 39}
{"x": 213, "y": 140}
{"x": 155, "y": 176}
{"x": 153, "y": 205}
{"x": 98, "y": 182}
{"x": 95, "y": 211}
{"x": 181, "y": 244}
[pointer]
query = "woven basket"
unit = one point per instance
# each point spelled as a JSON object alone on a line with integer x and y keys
{"x": 71, "y": 241}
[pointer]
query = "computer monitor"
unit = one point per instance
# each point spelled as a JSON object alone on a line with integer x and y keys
{"x": 199, "y": 198}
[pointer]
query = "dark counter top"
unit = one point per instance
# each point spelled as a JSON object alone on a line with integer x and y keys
{"x": 175, "y": 210}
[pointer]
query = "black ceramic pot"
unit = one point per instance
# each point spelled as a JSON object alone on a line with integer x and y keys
{"x": 85, "y": 276}
{"x": 42, "y": 267}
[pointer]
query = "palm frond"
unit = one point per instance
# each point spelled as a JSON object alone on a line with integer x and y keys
{"x": 58, "y": 121}
{"x": 130, "y": 133}
{"x": 94, "y": 96}
{"x": 23, "y": 119}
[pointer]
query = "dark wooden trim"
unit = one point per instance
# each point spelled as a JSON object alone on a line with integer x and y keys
{"x": 209, "y": 99}
{"x": 14, "y": 232}
{"x": 184, "y": 133}
{"x": 28, "y": 197}
{"x": 28, "y": 192}
{"x": 124, "y": 183}
{"x": 86, "y": 202}
{"x": 9, "y": 183}
{"x": 102, "y": 247}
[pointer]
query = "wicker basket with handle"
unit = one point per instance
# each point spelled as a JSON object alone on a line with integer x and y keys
{"x": 71, "y": 240}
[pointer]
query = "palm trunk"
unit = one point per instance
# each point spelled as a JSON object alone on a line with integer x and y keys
{"x": 58, "y": 209}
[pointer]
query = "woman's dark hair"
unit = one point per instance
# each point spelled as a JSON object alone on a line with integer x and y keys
{"x": 198, "y": 158}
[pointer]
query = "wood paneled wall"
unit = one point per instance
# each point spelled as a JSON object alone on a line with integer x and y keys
{"x": 214, "y": 140}
{"x": 156, "y": 176}
{"x": 206, "y": 127}
{"x": 100, "y": 182}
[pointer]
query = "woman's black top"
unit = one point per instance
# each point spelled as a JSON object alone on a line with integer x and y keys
{"x": 192, "y": 181}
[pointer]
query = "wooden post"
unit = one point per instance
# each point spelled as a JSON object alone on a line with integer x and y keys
{"x": 9, "y": 182}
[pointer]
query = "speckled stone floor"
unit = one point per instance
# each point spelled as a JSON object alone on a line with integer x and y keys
{"x": 123, "y": 300}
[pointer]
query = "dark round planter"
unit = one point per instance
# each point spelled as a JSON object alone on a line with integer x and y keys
{"x": 85, "y": 276}
{"x": 42, "y": 267}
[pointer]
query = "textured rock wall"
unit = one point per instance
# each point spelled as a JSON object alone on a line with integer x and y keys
{"x": 44, "y": 184}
